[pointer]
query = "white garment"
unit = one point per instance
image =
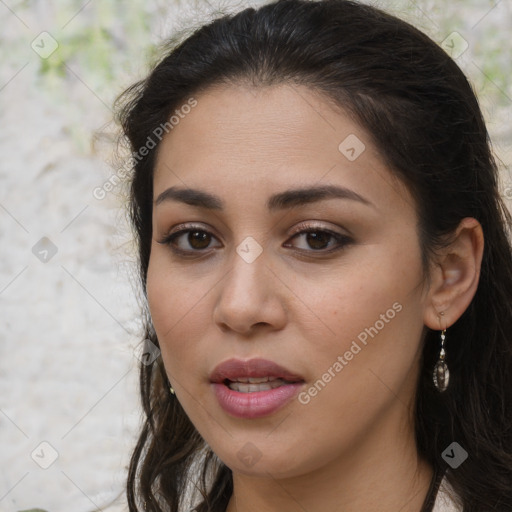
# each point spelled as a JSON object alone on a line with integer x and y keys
{"x": 445, "y": 499}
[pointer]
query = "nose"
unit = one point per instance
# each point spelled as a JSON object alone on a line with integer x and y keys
{"x": 250, "y": 295}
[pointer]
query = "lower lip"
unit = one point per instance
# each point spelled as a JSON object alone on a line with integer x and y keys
{"x": 256, "y": 404}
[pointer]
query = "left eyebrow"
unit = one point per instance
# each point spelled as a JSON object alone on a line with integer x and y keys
{"x": 300, "y": 196}
{"x": 280, "y": 201}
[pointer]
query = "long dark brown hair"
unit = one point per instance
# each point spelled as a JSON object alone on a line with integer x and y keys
{"x": 425, "y": 120}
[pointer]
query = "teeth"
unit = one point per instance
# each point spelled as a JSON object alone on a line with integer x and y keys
{"x": 251, "y": 387}
{"x": 260, "y": 380}
{"x": 255, "y": 380}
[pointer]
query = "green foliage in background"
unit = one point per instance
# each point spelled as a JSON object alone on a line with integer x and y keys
{"x": 101, "y": 43}
{"x": 112, "y": 43}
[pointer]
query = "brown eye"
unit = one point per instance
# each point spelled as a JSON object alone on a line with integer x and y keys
{"x": 189, "y": 240}
{"x": 199, "y": 239}
{"x": 320, "y": 240}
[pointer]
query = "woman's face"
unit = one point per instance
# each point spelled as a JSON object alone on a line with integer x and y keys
{"x": 323, "y": 284}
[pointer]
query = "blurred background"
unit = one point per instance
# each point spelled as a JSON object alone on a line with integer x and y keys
{"x": 70, "y": 340}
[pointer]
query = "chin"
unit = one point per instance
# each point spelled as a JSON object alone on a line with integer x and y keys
{"x": 251, "y": 461}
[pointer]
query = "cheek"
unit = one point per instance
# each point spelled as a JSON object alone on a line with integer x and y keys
{"x": 161, "y": 289}
{"x": 345, "y": 301}
{"x": 179, "y": 310}
{"x": 171, "y": 294}
{"x": 370, "y": 315}
{"x": 180, "y": 313}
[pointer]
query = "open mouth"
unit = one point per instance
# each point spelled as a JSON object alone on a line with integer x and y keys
{"x": 255, "y": 397}
{"x": 256, "y": 384}
{"x": 254, "y": 388}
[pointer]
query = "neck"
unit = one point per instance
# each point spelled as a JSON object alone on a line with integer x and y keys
{"x": 381, "y": 473}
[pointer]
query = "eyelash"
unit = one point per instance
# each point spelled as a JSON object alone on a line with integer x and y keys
{"x": 342, "y": 240}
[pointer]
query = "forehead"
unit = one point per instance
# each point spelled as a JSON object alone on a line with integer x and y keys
{"x": 243, "y": 121}
{"x": 254, "y": 139}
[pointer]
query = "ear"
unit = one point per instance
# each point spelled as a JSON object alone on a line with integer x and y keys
{"x": 454, "y": 276}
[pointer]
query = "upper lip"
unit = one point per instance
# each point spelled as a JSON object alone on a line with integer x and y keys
{"x": 232, "y": 369}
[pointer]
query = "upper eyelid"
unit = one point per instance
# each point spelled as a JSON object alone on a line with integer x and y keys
{"x": 311, "y": 225}
{"x": 302, "y": 228}
{"x": 184, "y": 228}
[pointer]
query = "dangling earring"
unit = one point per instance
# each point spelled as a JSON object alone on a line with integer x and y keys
{"x": 171, "y": 389}
{"x": 441, "y": 375}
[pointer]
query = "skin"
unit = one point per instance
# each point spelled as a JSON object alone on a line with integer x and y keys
{"x": 352, "y": 446}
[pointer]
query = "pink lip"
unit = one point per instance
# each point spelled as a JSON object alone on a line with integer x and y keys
{"x": 234, "y": 368}
{"x": 257, "y": 404}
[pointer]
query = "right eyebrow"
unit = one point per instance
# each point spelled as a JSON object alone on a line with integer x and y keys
{"x": 287, "y": 199}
